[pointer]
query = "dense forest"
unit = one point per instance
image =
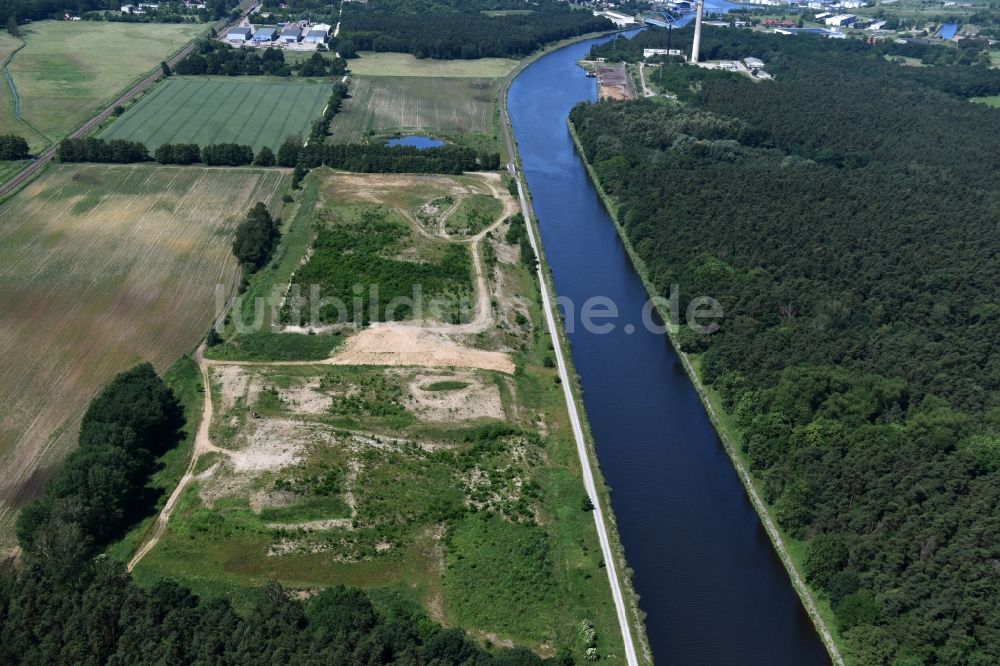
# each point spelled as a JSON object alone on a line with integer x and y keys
{"x": 66, "y": 606}
{"x": 450, "y": 29}
{"x": 845, "y": 216}
{"x": 35, "y": 10}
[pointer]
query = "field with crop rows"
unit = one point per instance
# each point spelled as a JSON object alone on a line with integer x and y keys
{"x": 69, "y": 70}
{"x": 204, "y": 110}
{"x": 390, "y": 103}
{"x": 101, "y": 267}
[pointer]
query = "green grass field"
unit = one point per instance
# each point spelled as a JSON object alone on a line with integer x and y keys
{"x": 8, "y": 123}
{"x": 443, "y": 106}
{"x": 9, "y": 168}
{"x": 989, "y": 101}
{"x": 404, "y": 64}
{"x": 205, "y": 110}
{"x": 70, "y": 70}
{"x": 101, "y": 267}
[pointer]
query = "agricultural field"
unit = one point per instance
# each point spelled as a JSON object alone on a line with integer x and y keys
{"x": 404, "y": 64}
{"x": 100, "y": 267}
{"x": 69, "y": 70}
{"x": 448, "y": 107}
{"x": 402, "y": 463}
{"x": 205, "y": 110}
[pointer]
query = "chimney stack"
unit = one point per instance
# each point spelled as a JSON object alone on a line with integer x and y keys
{"x": 696, "y": 47}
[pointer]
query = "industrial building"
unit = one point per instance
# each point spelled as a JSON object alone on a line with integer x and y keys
{"x": 619, "y": 19}
{"x": 841, "y": 20}
{"x": 649, "y": 53}
{"x": 291, "y": 35}
{"x": 318, "y": 34}
{"x": 265, "y": 33}
{"x": 239, "y": 35}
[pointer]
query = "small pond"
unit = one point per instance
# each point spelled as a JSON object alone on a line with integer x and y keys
{"x": 416, "y": 141}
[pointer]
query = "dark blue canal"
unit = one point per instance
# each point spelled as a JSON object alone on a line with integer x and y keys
{"x": 711, "y": 585}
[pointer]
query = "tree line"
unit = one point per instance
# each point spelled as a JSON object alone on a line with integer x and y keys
{"x": 453, "y": 30}
{"x": 35, "y": 10}
{"x": 840, "y": 214}
{"x": 218, "y": 59}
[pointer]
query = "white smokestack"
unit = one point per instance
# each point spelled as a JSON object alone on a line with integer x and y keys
{"x": 696, "y": 47}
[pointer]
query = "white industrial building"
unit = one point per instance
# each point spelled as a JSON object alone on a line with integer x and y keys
{"x": 649, "y": 53}
{"x": 841, "y": 20}
{"x": 619, "y": 19}
{"x": 318, "y": 34}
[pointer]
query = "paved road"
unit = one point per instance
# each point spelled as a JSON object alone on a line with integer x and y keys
{"x": 610, "y": 557}
{"x": 39, "y": 162}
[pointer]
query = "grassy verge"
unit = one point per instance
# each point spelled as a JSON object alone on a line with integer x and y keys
{"x": 252, "y": 308}
{"x": 788, "y": 552}
{"x": 637, "y": 625}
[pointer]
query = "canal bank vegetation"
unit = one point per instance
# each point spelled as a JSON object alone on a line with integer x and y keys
{"x": 853, "y": 367}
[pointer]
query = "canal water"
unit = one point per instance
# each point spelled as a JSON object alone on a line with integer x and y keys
{"x": 710, "y": 583}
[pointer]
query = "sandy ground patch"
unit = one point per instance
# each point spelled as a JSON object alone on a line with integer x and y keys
{"x": 475, "y": 400}
{"x": 305, "y": 399}
{"x": 235, "y": 383}
{"x": 399, "y": 345}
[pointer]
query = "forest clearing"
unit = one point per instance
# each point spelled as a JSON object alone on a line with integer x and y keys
{"x": 100, "y": 267}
